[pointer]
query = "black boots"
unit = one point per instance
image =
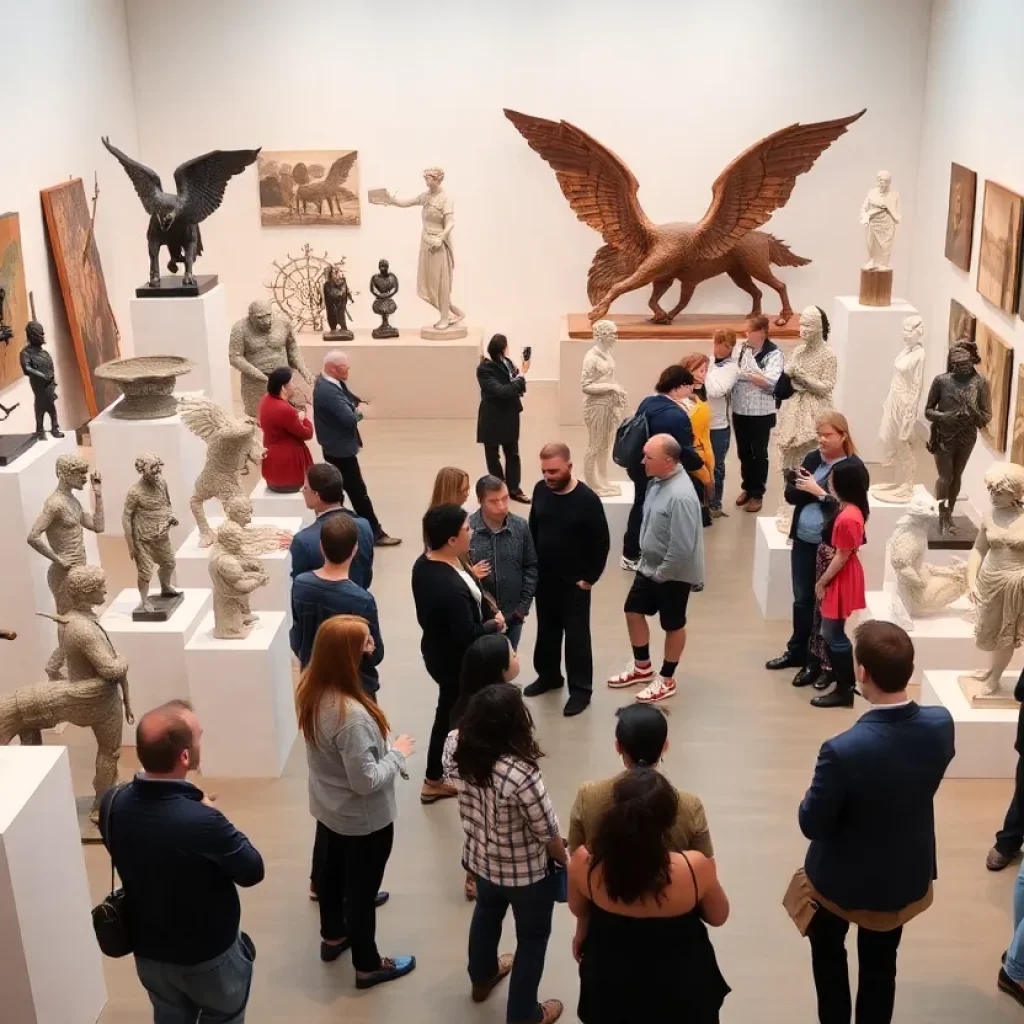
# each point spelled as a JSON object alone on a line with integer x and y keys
{"x": 808, "y": 674}
{"x": 842, "y": 669}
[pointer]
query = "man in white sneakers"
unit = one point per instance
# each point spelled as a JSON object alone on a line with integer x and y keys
{"x": 671, "y": 565}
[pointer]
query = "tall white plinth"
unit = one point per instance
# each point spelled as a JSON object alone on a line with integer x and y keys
{"x": 118, "y": 443}
{"x": 277, "y": 506}
{"x": 242, "y": 693}
{"x": 51, "y": 971}
{"x": 616, "y": 511}
{"x": 155, "y": 651}
{"x": 772, "y": 577}
{"x": 24, "y": 486}
{"x": 866, "y": 341}
{"x": 984, "y": 737}
{"x": 196, "y": 328}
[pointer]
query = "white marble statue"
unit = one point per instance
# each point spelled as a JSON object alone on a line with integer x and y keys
{"x": 899, "y": 414}
{"x": 880, "y": 213}
{"x": 604, "y": 404}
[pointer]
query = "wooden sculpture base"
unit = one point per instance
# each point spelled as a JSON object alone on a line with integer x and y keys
{"x": 685, "y": 326}
{"x": 1001, "y": 700}
{"x": 875, "y": 288}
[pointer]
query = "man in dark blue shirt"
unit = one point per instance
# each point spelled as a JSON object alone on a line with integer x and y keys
{"x": 180, "y": 861}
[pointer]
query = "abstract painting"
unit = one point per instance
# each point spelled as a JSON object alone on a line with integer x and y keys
{"x": 962, "y": 323}
{"x": 1017, "y": 441}
{"x": 309, "y": 187}
{"x": 999, "y": 258}
{"x": 996, "y": 367}
{"x": 14, "y": 303}
{"x": 90, "y": 318}
{"x": 963, "y": 185}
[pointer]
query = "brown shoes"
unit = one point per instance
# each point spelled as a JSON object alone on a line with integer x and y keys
{"x": 754, "y": 505}
{"x": 741, "y": 498}
{"x": 551, "y": 1010}
{"x": 997, "y": 860}
{"x": 484, "y": 989}
{"x": 434, "y": 791}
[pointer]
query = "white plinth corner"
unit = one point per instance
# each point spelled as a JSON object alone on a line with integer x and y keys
{"x": 276, "y": 506}
{"x": 772, "y": 575}
{"x": 616, "y": 511}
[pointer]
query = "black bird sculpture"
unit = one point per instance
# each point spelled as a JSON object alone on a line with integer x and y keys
{"x": 174, "y": 219}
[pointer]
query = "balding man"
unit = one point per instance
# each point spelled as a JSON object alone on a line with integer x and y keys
{"x": 671, "y": 565}
{"x": 180, "y": 861}
{"x": 336, "y": 419}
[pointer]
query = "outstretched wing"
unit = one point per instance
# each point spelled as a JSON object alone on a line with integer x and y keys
{"x": 600, "y": 188}
{"x": 760, "y": 181}
{"x": 201, "y": 182}
{"x": 342, "y": 167}
{"x": 203, "y": 416}
{"x": 145, "y": 179}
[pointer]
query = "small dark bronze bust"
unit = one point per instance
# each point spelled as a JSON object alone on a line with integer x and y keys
{"x": 336, "y": 299}
{"x": 384, "y": 286}
{"x": 37, "y": 365}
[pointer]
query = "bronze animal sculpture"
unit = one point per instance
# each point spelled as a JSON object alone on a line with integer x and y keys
{"x": 602, "y": 192}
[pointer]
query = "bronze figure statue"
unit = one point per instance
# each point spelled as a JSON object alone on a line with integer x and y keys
{"x": 337, "y": 297}
{"x": 384, "y": 288}
{"x": 603, "y": 193}
{"x": 37, "y": 365}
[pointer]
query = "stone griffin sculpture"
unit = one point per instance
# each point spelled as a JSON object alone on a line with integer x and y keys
{"x": 259, "y": 540}
{"x": 602, "y": 192}
{"x": 235, "y": 574}
{"x": 174, "y": 219}
{"x": 230, "y": 444}
{"x": 96, "y": 686}
{"x": 604, "y": 403}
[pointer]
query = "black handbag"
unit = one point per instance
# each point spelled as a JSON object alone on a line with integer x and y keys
{"x": 110, "y": 918}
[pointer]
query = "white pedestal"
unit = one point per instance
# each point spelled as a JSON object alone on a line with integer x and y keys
{"x": 984, "y": 738}
{"x": 278, "y": 506}
{"x": 773, "y": 577}
{"x": 155, "y": 651}
{"x": 616, "y": 511}
{"x": 118, "y": 443}
{"x": 866, "y": 341}
{"x": 193, "y": 567}
{"x": 196, "y": 328}
{"x": 51, "y": 971}
{"x": 242, "y": 693}
{"x": 24, "y": 486}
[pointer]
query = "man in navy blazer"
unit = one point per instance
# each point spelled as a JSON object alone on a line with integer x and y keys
{"x": 870, "y": 818}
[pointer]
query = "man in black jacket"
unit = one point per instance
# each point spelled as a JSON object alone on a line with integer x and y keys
{"x": 501, "y": 389}
{"x": 180, "y": 861}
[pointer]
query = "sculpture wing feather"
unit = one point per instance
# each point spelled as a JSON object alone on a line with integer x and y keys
{"x": 201, "y": 182}
{"x": 203, "y": 416}
{"x": 145, "y": 179}
{"x": 759, "y": 182}
{"x": 600, "y": 188}
{"x": 342, "y": 167}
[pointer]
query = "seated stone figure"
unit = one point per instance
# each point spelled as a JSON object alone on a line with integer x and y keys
{"x": 235, "y": 574}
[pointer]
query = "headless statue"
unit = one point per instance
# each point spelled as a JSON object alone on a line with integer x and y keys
{"x": 604, "y": 403}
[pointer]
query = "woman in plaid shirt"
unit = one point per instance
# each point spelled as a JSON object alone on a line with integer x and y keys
{"x": 511, "y": 832}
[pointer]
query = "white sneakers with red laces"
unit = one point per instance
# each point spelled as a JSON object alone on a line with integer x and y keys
{"x": 632, "y": 676}
{"x": 660, "y": 689}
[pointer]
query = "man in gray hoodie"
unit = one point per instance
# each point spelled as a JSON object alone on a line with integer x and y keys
{"x": 671, "y": 565}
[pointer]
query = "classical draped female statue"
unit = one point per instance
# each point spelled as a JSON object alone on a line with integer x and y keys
{"x": 880, "y": 213}
{"x": 604, "y": 403}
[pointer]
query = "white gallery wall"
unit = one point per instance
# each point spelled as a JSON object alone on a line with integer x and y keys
{"x": 677, "y": 89}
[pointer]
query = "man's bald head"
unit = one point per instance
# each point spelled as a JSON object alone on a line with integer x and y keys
{"x": 167, "y": 739}
{"x": 661, "y": 455}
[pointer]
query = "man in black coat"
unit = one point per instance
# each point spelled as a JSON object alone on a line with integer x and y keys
{"x": 501, "y": 389}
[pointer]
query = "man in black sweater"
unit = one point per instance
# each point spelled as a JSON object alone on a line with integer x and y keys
{"x": 570, "y": 533}
{"x": 180, "y": 861}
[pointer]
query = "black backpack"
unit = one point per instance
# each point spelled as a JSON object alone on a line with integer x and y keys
{"x": 630, "y": 438}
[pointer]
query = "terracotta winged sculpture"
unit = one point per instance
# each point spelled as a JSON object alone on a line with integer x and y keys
{"x": 235, "y": 574}
{"x": 604, "y": 403}
{"x": 603, "y": 193}
{"x": 230, "y": 444}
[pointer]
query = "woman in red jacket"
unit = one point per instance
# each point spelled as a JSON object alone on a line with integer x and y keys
{"x": 285, "y": 433}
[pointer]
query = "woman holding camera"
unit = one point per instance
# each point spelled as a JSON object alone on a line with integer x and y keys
{"x": 502, "y": 387}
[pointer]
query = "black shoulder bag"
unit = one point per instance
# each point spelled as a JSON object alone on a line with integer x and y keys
{"x": 110, "y": 918}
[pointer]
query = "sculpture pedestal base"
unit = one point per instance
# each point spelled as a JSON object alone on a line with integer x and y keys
{"x": 384, "y": 332}
{"x": 13, "y": 445}
{"x": 172, "y": 288}
{"x": 449, "y": 333}
{"x": 275, "y": 505}
{"x": 772, "y": 577}
{"x": 162, "y": 607}
{"x": 685, "y": 326}
{"x": 338, "y": 335}
{"x": 1000, "y": 700}
{"x": 961, "y": 540}
{"x": 876, "y": 287}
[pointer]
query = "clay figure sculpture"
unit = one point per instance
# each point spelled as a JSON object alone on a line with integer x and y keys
{"x": 259, "y": 540}
{"x": 235, "y": 575}
{"x": 899, "y": 414}
{"x": 146, "y": 522}
{"x": 230, "y": 444}
{"x": 37, "y": 365}
{"x": 384, "y": 288}
{"x": 958, "y": 406}
{"x": 812, "y": 371}
{"x": 604, "y": 405}
{"x": 879, "y": 214}
{"x": 337, "y": 297}
{"x": 96, "y": 687}
{"x": 261, "y": 342}
{"x": 602, "y": 192}
{"x": 58, "y": 535}
{"x": 174, "y": 219}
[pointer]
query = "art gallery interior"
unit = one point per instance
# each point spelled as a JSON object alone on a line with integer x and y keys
{"x": 677, "y": 91}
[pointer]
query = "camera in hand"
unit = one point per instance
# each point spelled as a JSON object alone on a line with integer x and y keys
{"x": 527, "y": 352}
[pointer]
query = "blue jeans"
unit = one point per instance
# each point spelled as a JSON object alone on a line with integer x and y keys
{"x": 514, "y": 630}
{"x": 720, "y": 440}
{"x": 834, "y": 633}
{"x": 1015, "y": 954}
{"x": 802, "y": 558}
{"x": 532, "y": 906}
{"x": 216, "y": 990}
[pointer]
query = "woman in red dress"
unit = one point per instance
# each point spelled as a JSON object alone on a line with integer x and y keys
{"x": 285, "y": 433}
{"x": 841, "y": 586}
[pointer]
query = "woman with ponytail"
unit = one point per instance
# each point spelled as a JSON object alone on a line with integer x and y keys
{"x": 631, "y": 891}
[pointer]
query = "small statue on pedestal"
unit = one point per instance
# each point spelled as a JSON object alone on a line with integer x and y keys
{"x": 604, "y": 403}
{"x": 336, "y": 299}
{"x": 235, "y": 574}
{"x": 384, "y": 288}
{"x": 880, "y": 213}
{"x": 37, "y": 365}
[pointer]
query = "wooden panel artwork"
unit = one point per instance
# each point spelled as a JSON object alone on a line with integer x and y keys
{"x": 90, "y": 318}
{"x": 15, "y": 305}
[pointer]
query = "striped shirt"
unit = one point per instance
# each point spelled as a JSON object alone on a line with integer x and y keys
{"x": 507, "y": 824}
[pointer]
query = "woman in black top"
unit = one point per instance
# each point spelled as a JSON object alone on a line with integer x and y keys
{"x": 501, "y": 389}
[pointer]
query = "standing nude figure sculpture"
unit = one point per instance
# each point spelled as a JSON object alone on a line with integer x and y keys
{"x": 604, "y": 403}
{"x": 57, "y": 534}
{"x": 235, "y": 574}
{"x": 879, "y": 214}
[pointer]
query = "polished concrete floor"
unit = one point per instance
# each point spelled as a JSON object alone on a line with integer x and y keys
{"x": 741, "y": 738}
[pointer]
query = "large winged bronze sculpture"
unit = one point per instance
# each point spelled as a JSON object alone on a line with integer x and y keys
{"x": 174, "y": 219}
{"x": 602, "y": 191}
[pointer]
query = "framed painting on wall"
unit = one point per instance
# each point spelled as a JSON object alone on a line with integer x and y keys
{"x": 999, "y": 252}
{"x": 963, "y": 187}
{"x": 962, "y": 323}
{"x": 996, "y": 367}
{"x": 1017, "y": 441}
{"x": 14, "y": 302}
{"x": 309, "y": 187}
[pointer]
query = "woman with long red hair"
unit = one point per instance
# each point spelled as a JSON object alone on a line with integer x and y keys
{"x": 352, "y": 771}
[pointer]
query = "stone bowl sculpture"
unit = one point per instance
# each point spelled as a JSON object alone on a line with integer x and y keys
{"x": 147, "y": 383}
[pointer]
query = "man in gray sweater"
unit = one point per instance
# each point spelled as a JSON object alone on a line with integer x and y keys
{"x": 671, "y": 565}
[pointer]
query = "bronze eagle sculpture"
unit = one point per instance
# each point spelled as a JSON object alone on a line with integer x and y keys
{"x": 602, "y": 192}
{"x": 174, "y": 219}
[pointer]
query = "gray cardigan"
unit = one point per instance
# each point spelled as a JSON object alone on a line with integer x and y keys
{"x": 672, "y": 533}
{"x": 352, "y": 772}
{"x": 513, "y": 578}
